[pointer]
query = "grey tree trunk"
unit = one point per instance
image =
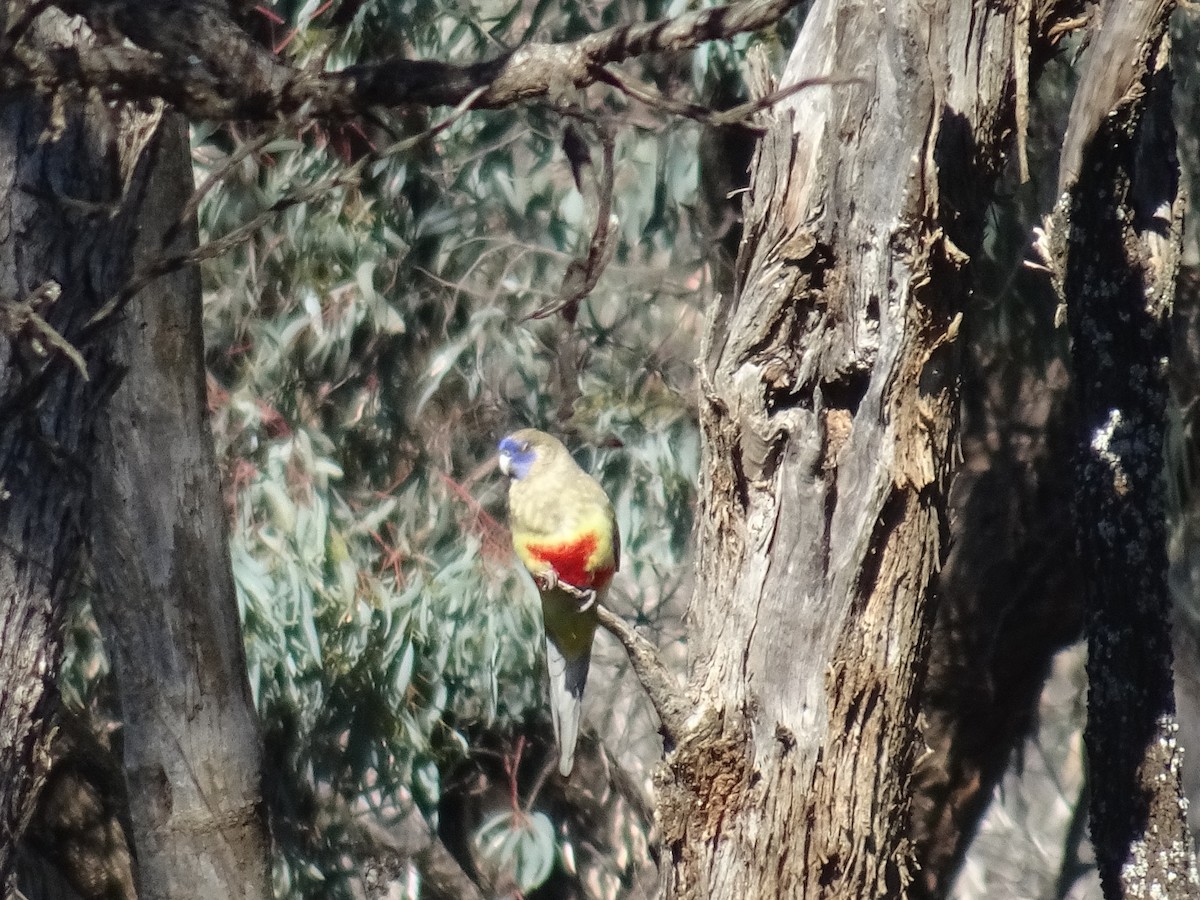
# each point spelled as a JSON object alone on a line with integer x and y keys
{"x": 81, "y": 210}
{"x": 167, "y": 604}
{"x": 66, "y": 225}
{"x": 829, "y": 384}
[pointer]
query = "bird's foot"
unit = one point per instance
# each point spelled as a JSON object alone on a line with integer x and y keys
{"x": 548, "y": 581}
{"x": 585, "y": 596}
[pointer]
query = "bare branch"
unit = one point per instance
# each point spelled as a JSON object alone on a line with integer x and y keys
{"x": 195, "y": 57}
{"x": 739, "y": 115}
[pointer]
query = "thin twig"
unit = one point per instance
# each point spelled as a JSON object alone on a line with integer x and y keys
{"x": 549, "y": 766}
{"x": 165, "y": 265}
{"x": 582, "y": 275}
{"x": 218, "y": 175}
{"x": 735, "y": 116}
{"x": 21, "y": 315}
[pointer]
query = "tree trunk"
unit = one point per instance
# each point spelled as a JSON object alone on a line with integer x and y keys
{"x": 829, "y": 396}
{"x": 1113, "y": 243}
{"x": 1008, "y": 601}
{"x": 167, "y": 602}
{"x": 1010, "y": 593}
{"x": 66, "y": 224}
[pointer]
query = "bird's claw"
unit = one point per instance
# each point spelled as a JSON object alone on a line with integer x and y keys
{"x": 548, "y": 581}
{"x": 585, "y": 596}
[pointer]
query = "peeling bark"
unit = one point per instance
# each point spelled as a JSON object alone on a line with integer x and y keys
{"x": 830, "y": 395}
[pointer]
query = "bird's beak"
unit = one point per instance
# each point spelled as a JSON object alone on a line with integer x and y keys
{"x": 505, "y": 464}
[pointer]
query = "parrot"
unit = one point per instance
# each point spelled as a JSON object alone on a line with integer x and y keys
{"x": 565, "y": 533}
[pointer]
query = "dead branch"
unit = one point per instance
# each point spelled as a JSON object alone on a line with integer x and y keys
{"x": 22, "y": 317}
{"x": 195, "y": 57}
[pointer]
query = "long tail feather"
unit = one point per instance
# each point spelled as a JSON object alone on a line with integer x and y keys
{"x": 567, "y": 679}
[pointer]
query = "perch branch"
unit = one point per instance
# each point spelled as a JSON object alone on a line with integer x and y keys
{"x": 661, "y": 686}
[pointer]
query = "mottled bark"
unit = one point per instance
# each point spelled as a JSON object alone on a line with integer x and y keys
{"x": 830, "y": 392}
{"x": 167, "y": 602}
{"x": 66, "y": 220}
{"x": 1183, "y": 466}
{"x": 1114, "y": 245}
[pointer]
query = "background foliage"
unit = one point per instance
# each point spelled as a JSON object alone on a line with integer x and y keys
{"x": 369, "y": 346}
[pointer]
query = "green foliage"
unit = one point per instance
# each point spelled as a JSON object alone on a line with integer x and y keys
{"x": 369, "y": 345}
{"x": 85, "y": 663}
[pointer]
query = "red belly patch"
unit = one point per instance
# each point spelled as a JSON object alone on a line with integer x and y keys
{"x": 570, "y": 561}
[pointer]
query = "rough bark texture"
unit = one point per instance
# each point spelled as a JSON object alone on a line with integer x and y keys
{"x": 66, "y": 218}
{"x": 167, "y": 602}
{"x": 830, "y": 389}
{"x": 1114, "y": 244}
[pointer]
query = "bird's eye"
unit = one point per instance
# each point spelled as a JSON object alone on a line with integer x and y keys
{"x": 523, "y": 446}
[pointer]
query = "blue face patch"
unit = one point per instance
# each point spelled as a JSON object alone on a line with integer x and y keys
{"x": 516, "y": 456}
